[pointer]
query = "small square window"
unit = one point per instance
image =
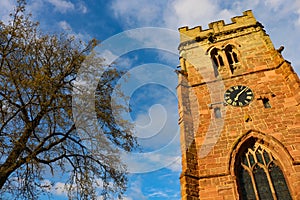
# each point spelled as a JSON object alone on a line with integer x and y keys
{"x": 266, "y": 103}
{"x": 217, "y": 112}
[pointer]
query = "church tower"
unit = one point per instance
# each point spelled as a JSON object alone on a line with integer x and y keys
{"x": 239, "y": 114}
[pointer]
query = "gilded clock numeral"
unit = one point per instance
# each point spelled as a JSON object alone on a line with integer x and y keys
{"x": 249, "y": 97}
{"x": 234, "y": 104}
{"x": 241, "y": 104}
{"x": 229, "y": 101}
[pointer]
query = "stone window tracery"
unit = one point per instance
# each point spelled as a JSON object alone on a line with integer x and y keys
{"x": 232, "y": 57}
{"x": 217, "y": 59}
{"x": 259, "y": 177}
{"x": 228, "y": 57}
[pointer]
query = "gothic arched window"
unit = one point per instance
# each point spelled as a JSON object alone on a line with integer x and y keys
{"x": 217, "y": 59}
{"x": 259, "y": 177}
{"x": 232, "y": 57}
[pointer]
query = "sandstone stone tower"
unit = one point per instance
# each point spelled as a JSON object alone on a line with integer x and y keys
{"x": 239, "y": 114}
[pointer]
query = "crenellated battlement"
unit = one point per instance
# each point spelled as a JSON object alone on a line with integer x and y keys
{"x": 219, "y": 27}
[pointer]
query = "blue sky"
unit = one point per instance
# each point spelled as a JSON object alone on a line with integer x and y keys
{"x": 151, "y": 84}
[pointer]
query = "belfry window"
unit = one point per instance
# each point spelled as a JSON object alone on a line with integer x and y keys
{"x": 232, "y": 57}
{"x": 217, "y": 59}
{"x": 259, "y": 176}
{"x": 225, "y": 58}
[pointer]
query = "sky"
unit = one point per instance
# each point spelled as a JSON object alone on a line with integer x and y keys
{"x": 141, "y": 37}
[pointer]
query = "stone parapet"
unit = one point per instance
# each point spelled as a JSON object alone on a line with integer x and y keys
{"x": 219, "y": 27}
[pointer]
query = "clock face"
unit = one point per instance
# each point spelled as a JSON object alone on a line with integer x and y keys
{"x": 238, "y": 95}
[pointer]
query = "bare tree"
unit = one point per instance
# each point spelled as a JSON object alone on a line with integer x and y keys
{"x": 38, "y": 135}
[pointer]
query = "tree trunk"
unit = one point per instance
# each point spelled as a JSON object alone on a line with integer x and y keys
{"x": 3, "y": 177}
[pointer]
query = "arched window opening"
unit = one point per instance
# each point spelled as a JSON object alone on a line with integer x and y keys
{"x": 232, "y": 57}
{"x": 259, "y": 177}
{"x": 217, "y": 60}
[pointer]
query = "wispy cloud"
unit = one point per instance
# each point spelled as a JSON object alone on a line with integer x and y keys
{"x": 153, "y": 161}
{"x": 62, "y": 5}
{"x": 65, "y": 26}
{"x": 59, "y": 188}
{"x": 139, "y": 189}
{"x": 7, "y": 7}
{"x": 82, "y": 7}
{"x": 135, "y": 12}
{"x": 203, "y": 11}
{"x": 157, "y": 128}
{"x": 135, "y": 191}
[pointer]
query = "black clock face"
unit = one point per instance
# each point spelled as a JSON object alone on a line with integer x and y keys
{"x": 238, "y": 95}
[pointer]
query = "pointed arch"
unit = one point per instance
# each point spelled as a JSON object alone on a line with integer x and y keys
{"x": 232, "y": 56}
{"x": 258, "y": 163}
{"x": 225, "y": 58}
{"x": 218, "y": 60}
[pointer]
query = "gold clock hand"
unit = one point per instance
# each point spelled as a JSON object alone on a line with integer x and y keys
{"x": 238, "y": 94}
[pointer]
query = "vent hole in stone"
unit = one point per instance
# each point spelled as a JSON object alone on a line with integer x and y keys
{"x": 266, "y": 103}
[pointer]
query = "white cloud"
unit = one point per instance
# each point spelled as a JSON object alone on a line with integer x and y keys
{"x": 62, "y": 5}
{"x": 153, "y": 161}
{"x": 297, "y": 22}
{"x": 138, "y": 189}
{"x": 82, "y": 8}
{"x": 135, "y": 191}
{"x": 59, "y": 189}
{"x": 6, "y": 4}
{"x": 67, "y": 28}
{"x": 64, "y": 25}
{"x": 7, "y": 7}
{"x": 176, "y": 165}
{"x": 36, "y": 7}
{"x": 274, "y": 4}
{"x": 296, "y": 6}
{"x": 191, "y": 12}
{"x": 149, "y": 125}
{"x": 157, "y": 194}
{"x": 171, "y": 14}
{"x": 157, "y": 127}
{"x": 169, "y": 162}
{"x": 136, "y": 12}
